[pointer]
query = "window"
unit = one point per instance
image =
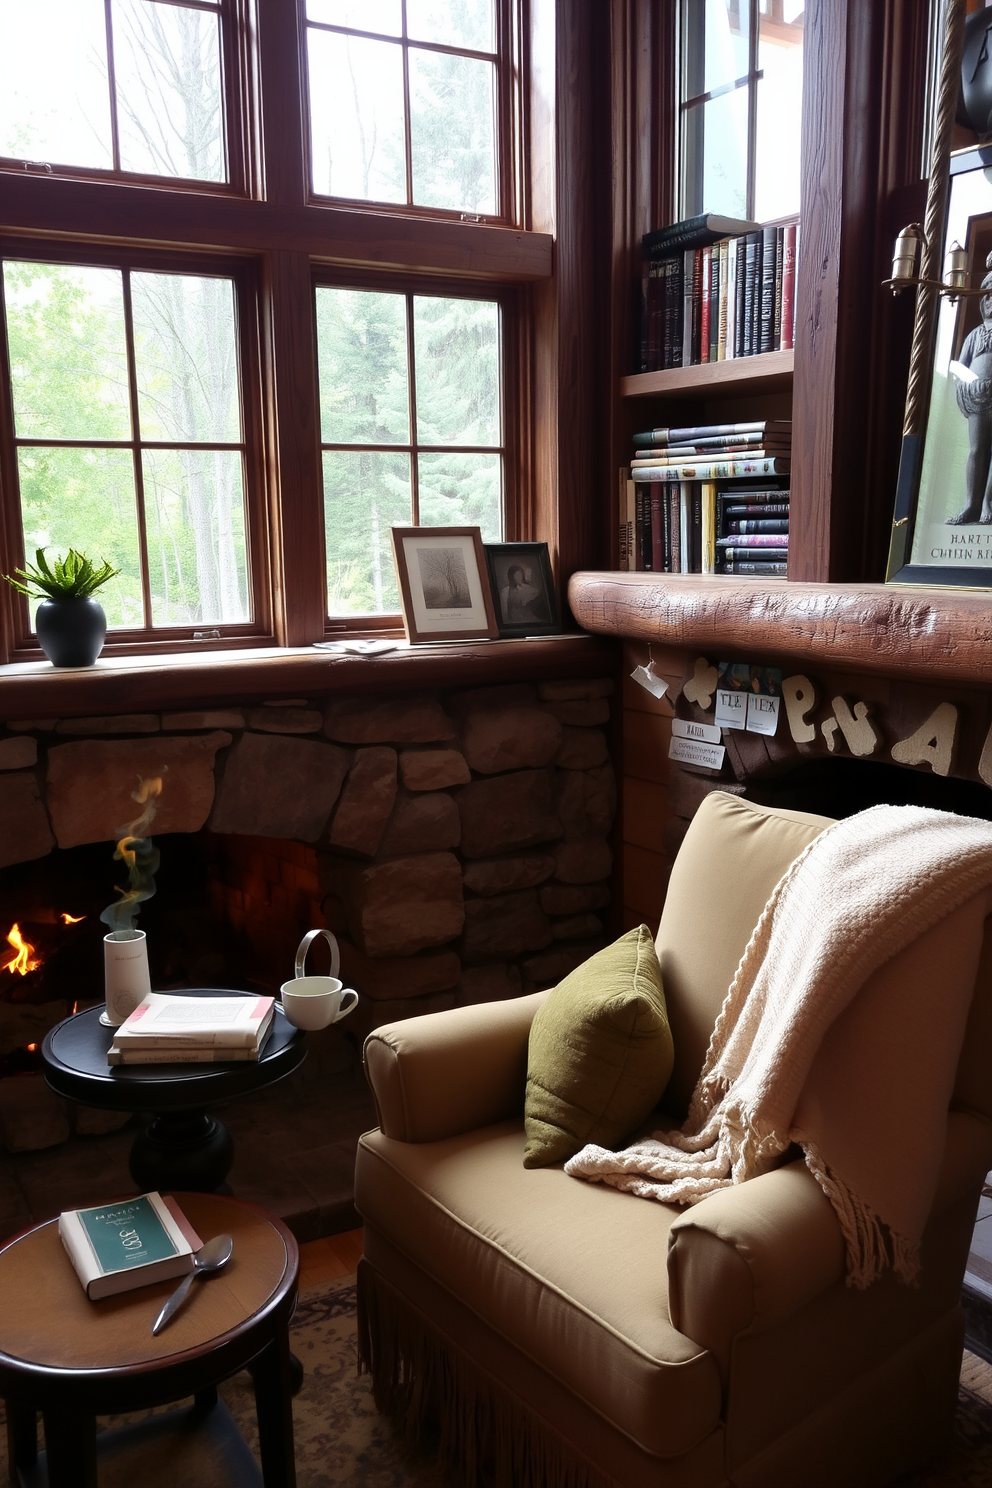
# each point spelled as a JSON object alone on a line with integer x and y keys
{"x": 742, "y": 76}
{"x": 411, "y": 429}
{"x": 404, "y": 102}
{"x": 232, "y": 395}
{"x": 128, "y": 434}
{"x": 124, "y": 85}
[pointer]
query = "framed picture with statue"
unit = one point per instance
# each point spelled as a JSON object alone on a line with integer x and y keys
{"x": 942, "y": 524}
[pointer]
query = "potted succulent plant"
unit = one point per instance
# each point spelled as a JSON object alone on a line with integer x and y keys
{"x": 69, "y": 622}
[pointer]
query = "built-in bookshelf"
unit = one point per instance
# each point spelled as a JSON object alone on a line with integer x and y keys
{"x": 769, "y": 372}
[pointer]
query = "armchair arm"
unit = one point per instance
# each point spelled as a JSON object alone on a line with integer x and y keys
{"x": 750, "y": 1256}
{"x": 446, "y": 1073}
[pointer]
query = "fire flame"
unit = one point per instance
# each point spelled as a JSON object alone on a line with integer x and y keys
{"x": 23, "y": 959}
{"x": 68, "y": 919}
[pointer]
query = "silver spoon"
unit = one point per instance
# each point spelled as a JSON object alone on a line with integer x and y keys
{"x": 210, "y": 1258}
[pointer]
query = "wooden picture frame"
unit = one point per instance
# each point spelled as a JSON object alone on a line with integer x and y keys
{"x": 523, "y": 588}
{"x": 444, "y": 586}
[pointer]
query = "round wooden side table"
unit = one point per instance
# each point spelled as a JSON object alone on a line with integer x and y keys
{"x": 73, "y": 1359}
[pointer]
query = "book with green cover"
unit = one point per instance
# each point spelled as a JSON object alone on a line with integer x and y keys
{"x": 115, "y": 1247}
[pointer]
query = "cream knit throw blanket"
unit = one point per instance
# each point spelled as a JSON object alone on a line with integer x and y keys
{"x": 819, "y": 1043}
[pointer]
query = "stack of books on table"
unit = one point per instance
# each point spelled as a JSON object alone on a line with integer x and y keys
{"x": 708, "y": 499}
{"x": 167, "y": 1029}
{"x": 716, "y": 288}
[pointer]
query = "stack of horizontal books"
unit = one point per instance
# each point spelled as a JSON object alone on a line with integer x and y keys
{"x": 716, "y": 288}
{"x": 167, "y": 1029}
{"x": 709, "y": 499}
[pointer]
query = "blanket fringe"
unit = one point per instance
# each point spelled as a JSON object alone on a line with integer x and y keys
{"x": 434, "y": 1393}
{"x": 872, "y": 1248}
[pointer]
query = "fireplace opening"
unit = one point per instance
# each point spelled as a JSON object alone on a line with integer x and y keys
{"x": 840, "y": 787}
{"x": 228, "y": 911}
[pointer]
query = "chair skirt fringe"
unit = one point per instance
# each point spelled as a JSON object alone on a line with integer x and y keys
{"x": 427, "y": 1385}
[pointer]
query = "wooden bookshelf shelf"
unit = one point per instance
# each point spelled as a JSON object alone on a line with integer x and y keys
{"x": 767, "y": 373}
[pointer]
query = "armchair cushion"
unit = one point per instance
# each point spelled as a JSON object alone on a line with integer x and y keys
{"x": 600, "y": 1052}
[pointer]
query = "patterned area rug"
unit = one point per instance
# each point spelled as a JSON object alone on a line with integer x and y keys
{"x": 343, "y": 1442}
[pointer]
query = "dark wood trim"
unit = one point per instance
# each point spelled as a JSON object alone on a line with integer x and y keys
{"x": 769, "y": 371}
{"x": 938, "y": 635}
{"x": 191, "y": 680}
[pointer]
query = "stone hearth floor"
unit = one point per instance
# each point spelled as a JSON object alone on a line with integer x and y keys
{"x": 294, "y": 1152}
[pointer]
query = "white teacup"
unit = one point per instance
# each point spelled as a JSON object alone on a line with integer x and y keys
{"x": 314, "y": 1002}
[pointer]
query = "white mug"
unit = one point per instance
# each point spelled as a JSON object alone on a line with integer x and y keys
{"x": 316, "y": 1001}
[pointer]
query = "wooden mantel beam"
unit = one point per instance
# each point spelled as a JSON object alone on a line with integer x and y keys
{"x": 938, "y": 635}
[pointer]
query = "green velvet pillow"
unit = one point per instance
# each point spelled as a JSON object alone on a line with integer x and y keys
{"x": 600, "y": 1053}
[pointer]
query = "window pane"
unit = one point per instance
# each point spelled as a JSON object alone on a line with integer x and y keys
{"x": 462, "y": 491}
{"x": 383, "y": 16}
{"x": 356, "y": 117}
{"x": 361, "y": 355}
{"x": 195, "y": 520}
{"x": 168, "y": 75}
{"x": 452, "y": 133}
{"x": 716, "y": 44}
{"x": 54, "y": 96}
{"x": 67, "y": 351}
{"x": 715, "y": 172}
{"x": 457, "y": 23}
{"x": 365, "y": 494}
{"x": 186, "y": 358}
{"x": 780, "y": 101}
{"x": 457, "y": 362}
{"x": 84, "y": 499}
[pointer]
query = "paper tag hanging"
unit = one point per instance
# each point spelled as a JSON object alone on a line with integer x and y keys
{"x": 647, "y": 677}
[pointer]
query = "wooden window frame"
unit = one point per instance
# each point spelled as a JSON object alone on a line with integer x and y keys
{"x": 506, "y": 65}
{"x": 509, "y": 300}
{"x": 239, "y": 85}
{"x": 283, "y": 240}
{"x": 243, "y": 272}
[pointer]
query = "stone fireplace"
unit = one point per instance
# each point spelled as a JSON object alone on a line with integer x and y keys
{"x": 456, "y": 840}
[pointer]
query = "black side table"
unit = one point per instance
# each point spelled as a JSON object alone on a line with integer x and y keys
{"x": 183, "y": 1147}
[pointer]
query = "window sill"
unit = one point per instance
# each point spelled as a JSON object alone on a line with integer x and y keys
{"x": 204, "y": 679}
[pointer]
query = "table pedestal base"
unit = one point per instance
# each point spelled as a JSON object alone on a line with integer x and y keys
{"x": 182, "y": 1150}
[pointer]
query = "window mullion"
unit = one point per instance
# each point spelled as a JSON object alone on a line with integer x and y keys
{"x": 407, "y": 121}
{"x": 112, "y": 84}
{"x": 139, "y": 475}
{"x": 411, "y": 378}
{"x": 754, "y": 21}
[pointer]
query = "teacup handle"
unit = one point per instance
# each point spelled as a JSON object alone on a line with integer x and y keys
{"x": 307, "y": 942}
{"x": 343, "y": 1010}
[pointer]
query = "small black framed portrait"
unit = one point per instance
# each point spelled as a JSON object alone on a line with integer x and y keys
{"x": 523, "y": 588}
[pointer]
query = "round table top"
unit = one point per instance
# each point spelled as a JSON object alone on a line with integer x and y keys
{"x": 75, "y": 1059}
{"x": 48, "y": 1324}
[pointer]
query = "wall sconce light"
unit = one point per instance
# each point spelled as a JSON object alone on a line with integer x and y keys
{"x": 906, "y": 267}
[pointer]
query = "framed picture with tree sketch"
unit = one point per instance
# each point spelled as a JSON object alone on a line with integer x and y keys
{"x": 523, "y": 588}
{"x": 443, "y": 585}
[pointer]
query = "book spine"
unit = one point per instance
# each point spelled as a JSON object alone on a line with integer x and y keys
{"x": 646, "y": 531}
{"x": 766, "y": 334}
{"x": 759, "y": 246}
{"x": 697, "y": 305}
{"x": 714, "y": 301}
{"x": 630, "y": 523}
{"x": 707, "y": 493}
{"x": 644, "y": 358}
{"x": 638, "y": 526}
{"x": 675, "y": 306}
{"x": 762, "y": 524}
{"x": 178, "y": 1056}
{"x": 666, "y": 531}
{"x": 788, "y": 286}
{"x": 679, "y": 457}
{"x": 778, "y": 427}
{"x": 674, "y": 495}
{"x": 78, "y": 1248}
{"x": 757, "y": 509}
{"x": 740, "y": 285}
{"x": 731, "y": 298}
{"x": 704, "y": 308}
{"x": 735, "y": 567}
{"x": 779, "y": 262}
{"x": 721, "y": 337}
{"x": 622, "y": 551}
{"x": 685, "y": 526}
{"x": 665, "y": 349}
{"x": 655, "y": 315}
{"x": 750, "y": 249}
{"x": 755, "y": 540}
{"x": 695, "y": 527}
{"x": 657, "y": 532}
{"x": 688, "y": 275}
{"x": 715, "y": 470}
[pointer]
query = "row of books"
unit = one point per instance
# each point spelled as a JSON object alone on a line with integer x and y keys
{"x": 720, "y": 298}
{"x": 726, "y": 512}
{"x": 192, "y": 1030}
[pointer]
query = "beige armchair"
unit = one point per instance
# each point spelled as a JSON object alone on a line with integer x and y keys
{"x": 567, "y": 1335}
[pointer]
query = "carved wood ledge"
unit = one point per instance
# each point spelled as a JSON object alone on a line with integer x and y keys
{"x": 938, "y": 635}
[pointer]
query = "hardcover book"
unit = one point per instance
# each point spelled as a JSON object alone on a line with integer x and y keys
{"x": 118, "y": 1247}
{"x": 694, "y": 232}
{"x": 166, "y": 1021}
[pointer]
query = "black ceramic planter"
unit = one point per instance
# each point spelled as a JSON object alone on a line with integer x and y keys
{"x": 70, "y": 631}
